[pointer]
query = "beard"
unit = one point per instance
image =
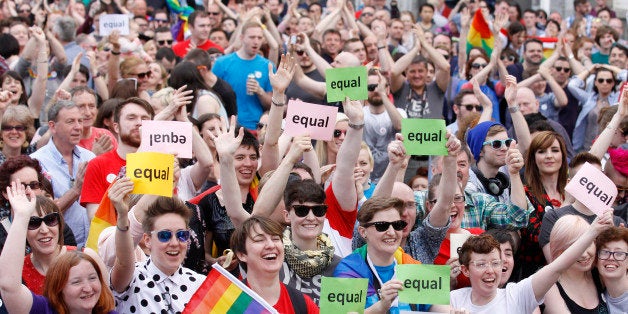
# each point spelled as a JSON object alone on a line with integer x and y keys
{"x": 375, "y": 101}
{"x": 129, "y": 139}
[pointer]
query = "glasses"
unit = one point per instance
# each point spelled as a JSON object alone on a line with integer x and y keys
{"x": 510, "y": 58}
{"x": 50, "y": 220}
{"x": 457, "y": 199}
{"x": 483, "y": 265}
{"x": 337, "y": 133}
{"x": 478, "y": 65}
{"x": 304, "y": 210}
{"x": 366, "y": 14}
{"x": 260, "y": 126}
{"x": 161, "y": 20}
{"x": 470, "y": 107}
{"x": 608, "y": 80}
{"x": 300, "y": 52}
{"x": 382, "y": 226}
{"x": 565, "y": 69}
{"x": 24, "y": 11}
{"x": 163, "y": 42}
{"x": 19, "y": 128}
{"x": 213, "y": 13}
{"x": 497, "y": 144}
{"x": 142, "y": 76}
{"x": 164, "y": 236}
{"x": 618, "y": 256}
{"x": 34, "y": 185}
{"x": 371, "y": 87}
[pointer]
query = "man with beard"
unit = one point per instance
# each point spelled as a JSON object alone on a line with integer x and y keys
{"x": 61, "y": 159}
{"x": 532, "y": 58}
{"x": 382, "y": 120}
{"x": 102, "y": 170}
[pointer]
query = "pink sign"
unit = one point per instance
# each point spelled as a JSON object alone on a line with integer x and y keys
{"x": 316, "y": 120}
{"x": 592, "y": 188}
{"x": 169, "y": 137}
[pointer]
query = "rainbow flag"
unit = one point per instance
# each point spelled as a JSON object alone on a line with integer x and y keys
{"x": 549, "y": 45}
{"x": 221, "y": 292}
{"x": 104, "y": 217}
{"x": 480, "y": 34}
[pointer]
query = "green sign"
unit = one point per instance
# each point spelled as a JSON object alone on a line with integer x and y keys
{"x": 343, "y": 295}
{"x": 424, "y": 284}
{"x": 424, "y": 136}
{"x": 349, "y": 82}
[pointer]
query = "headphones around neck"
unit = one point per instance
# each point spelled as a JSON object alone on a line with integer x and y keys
{"x": 493, "y": 186}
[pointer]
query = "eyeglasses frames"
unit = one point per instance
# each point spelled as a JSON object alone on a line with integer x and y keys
{"x": 497, "y": 144}
{"x": 564, "y": 69}
{"x": 337, "y": 133}
{"x": 470, "y": 107}
{"x": 478, "y": 65}
{"x": 304, "y": 210}
{"x": 50, "y": 220}
{"x": 608, "y": 80}
{"x": 164, "y": 236}
{"x": 618, "y": 256}
{"x": 382, "y": 226}
{"x": 19, "y": 128}
{"x": 163, "y": 42}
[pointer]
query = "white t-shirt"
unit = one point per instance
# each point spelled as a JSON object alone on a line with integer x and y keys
{"x": 515, "y": 298}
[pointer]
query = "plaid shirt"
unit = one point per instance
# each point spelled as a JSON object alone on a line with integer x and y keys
{"x": 483, "y": 211}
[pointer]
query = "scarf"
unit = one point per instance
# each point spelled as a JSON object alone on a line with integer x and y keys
{"x": 308, "y": 263}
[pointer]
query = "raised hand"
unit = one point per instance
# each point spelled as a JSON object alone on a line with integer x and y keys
{"x": 102, "y": 145}
{"x": 22, "y": 199}
{"x": 453, "y": 145}
{"x": 622, "y": 108}
{"x": 62, "y": 94}
{"x": 300, "y": 144}
{"x": 226, "y": 142}
{"x": 511, "y": 90}
{"x": 602, "y": 222}
{"x": 484, "y": 100}
{"x": 514, "y": 159}
{"x": 119, "y": 195}
{"x": 396, "y": 151}
{"x": 353, "y": 110}
{"x": 285, "y": 71}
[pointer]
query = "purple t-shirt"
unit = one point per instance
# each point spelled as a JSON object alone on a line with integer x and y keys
{"x": 41, "y": 305}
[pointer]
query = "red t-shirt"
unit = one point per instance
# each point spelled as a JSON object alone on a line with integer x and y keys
{"x": 181, "y": 48}
{"x": 100, "y": 172}
{"x": 444, "y": 254}
{"x": 88, "y": 143}
{"x": 284, "y": 305}
{"x": 32, "y": 278}
{"x": 340, "y": 223}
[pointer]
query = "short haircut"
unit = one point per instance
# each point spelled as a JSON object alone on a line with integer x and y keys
{"x": 196, "y": 14}
{"x": 303, "y": 191}
{"x": 165, "y": 205}
{"x": 377, "y": 204}
{"x": 497, "y": 128}
{"x": 199, "y": 57}
{"x": 54, "y": 110}
{"x": 165, "y": 53}
{"x": 248, "y": 25}
{"x": 565, "y": 232}
{"x": 45, "y": 206}
{"x": 133, "y": 100}
{"x": 481, "y": 244}
{"x": 539, "y": 126}
{"x": 463, "y": 92}
{"x": 21, "y": 115}
{"x": 603, "y": 30}
{"x": 529, "y": 11}
{"x": 13, "y": 165}
{"x": 621, "y": 47}
{"x": 241, "y": 233}
{"x": 502, "y": 236}
{"x": 65, "y": 28}
{"x": 331, "y": 31}
{"x": 529, "y": 41}
{"x": 162, "y": 29}
{"x": 9, "y": 46}
{"x": 611, "y": 234}
{"x": 425, "y": 5}
{"x": 350, "y": 41}
{"x": 249, "y": 140}
{"x": 583, "y": 157}
{"x": 515, "y": 27}
{"x": 83, "y": 90}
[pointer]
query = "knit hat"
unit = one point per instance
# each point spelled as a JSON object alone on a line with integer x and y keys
{"x": 476, "y": 137}
{"x": 619, "y": 158}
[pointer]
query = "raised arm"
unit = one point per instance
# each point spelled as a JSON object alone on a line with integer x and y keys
{"x": 36, "y": 100}
{"x": 76, "y": 63}
{"x": 122, "y": 271}
{"x": 487, "y": 105}
{"x": 391, "y": 110}
{"x": 559, "y": 92}
{"x": 601, "y": 144}
{"x": 100, "y": 85}
{"x": 441, "y": 64}
{"x": 396, "y": 157}
{"x": 16, "y": 296}
{"x": 397, "y": 78}
{"x": 319, "y": 62}
{"x": 348, "y": 155}
{"x": 113, "y": 72}
{"x": 439, "y": 216}
{"x": 518, "y": 121}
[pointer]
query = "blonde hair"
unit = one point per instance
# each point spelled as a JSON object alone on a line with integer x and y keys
{"x": 162, "y": 97}
{"x": 321, "y": 146}
{"x": 565, "y": 232}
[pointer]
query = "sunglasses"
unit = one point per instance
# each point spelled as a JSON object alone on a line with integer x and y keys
{"x": 337, "y": 133}
{"x": 34, "y": 185}
{"x": 565, "y": 69}
{"x": 163, "y": 42}
{"x": 24, "y": 11}
{"x": 161, "y": 20}
{"x": 366, "y": 14}
{"x": 478, "y": 65}
{"x": 458, "y": 199}
{"x": 478, "y": 108}
{"x": 304, "y": 210}
{"x": 510, "y": 58}
{"x": 164, "y": 236}
{"x": 497, "y": 144}
{"x": 142, "y": 76}
{"x": 50, "y": 220}
{"x": 213, "y": 13}
{"x": 19, "y": 128}
{"x": 608, "y": 81}
{"x": 371, "y": 87}
{"x": 300, "y": 52}
{"x": 382, "y": 226}
{"x": 260, "y": 126}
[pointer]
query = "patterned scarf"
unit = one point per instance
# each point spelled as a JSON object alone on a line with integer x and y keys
{"x": 310, "y": 262}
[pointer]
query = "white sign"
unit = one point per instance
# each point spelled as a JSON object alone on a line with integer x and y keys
{"x": 168, "y": 137}
{"x": 110, "y": 22}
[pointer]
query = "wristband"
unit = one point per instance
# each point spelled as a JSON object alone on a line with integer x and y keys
{"x": 356, "y": 126}
{"x": 513, "y": 109}
{"x": 115, "y": 53}
{"x": 123, "y": 230}
{"x": 276, "y": 103}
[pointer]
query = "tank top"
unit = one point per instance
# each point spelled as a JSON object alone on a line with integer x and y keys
{"x": 574, "y": 308}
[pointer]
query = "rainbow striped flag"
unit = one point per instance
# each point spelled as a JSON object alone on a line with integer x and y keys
{"x": 549, "y": 45}
{"x": 105, "y": 216}
{"x": 480, "y": 34}
{"x": 221, "y": 292}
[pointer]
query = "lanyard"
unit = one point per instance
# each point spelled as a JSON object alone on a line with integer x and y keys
{"x": 395, "y": 302}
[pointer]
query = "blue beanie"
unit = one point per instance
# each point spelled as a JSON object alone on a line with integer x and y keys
{"x": 476, "y": 137}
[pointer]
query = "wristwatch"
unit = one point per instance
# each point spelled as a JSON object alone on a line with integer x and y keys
{"x": 513, "y": 109}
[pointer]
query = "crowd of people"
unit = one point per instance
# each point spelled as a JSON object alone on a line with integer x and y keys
{"x": 542, "y": 96}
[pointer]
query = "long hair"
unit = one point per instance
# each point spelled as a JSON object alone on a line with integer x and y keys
{"x": 16, "y": 76}
{"x": 544, "y": 140}
{"x": 45, "y": 206}
{"x": 57, "y": 278}
{"x": 186, "y": 73}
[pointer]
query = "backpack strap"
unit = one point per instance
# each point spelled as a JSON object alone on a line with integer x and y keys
{"x": 297, "y": 299}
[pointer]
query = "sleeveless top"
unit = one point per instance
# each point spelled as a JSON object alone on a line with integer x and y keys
{"x": 32, "y": 278}
{"x": 222, "y": 112}
{"x": 574, "y": 308}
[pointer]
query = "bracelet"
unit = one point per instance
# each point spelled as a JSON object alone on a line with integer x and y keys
{"x": 123, "y": 230}
{"x": 513, "y": 109}
{"x": 115, "y": 53}
{"x": 356, "y": 126}
{"x": 276, "y": 103}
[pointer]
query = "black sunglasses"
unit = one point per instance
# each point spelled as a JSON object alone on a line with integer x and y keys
{"x": 478, "y": 65}
{"x": 300, "y": 52}
{"x": 213, "y": 13}
{"x": 478, "y": 108}
{"x": 260, "y": 126}
{"x": 304, "y": 210}
{"x": 608, "y": 81}
{"x": 497, "y": 144}
{"x": 337, "y": 133}
{"x": 144, "y": 75}
{"x": 565, "y": 69}
{"x": 371, "y": 87}
{"x": 510, "y": 58}
{"x": 164, "y": 236}
{"x": 163, "y": 42}
{"x": 19, "y": 128}
{"x": 50, "y": 220}
{"x": 34, "y": 185}
{"x": 382, "y": 226}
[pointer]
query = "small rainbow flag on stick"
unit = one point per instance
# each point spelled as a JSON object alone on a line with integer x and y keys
{"x": 480, "y": 34}
{"x": 221, "y": 292}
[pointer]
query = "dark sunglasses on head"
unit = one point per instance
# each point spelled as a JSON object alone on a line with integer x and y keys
{"x": 164, "y": 236}
{"x": 337, "y": 133}
{"x": 50, "y": 220}
{"x": 478, "y": 65}
{"x": 143, "y": 75}
{"x": 564, "y": 69}
{"x": 371, "y": 87}
{"x": 19, "y": 128}
{"x": 304, "y": 210}
{"x": 510, "y": 58}
{"x": 497, "y": 144}
{"x": 34, "y": 185}
{"x": 608, "y": 81}
{"x": 163, "y": 42}
{"x": 478, "y": 108}
{"x": 382, "y": 226}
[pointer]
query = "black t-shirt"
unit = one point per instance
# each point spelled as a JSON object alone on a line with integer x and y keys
{"x": 295, "y": 92}
{"x": 228, "y": 96}
{"x": 568, "y": 115}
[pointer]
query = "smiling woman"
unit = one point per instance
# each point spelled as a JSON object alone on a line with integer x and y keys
{"x": 17, "y": 129}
